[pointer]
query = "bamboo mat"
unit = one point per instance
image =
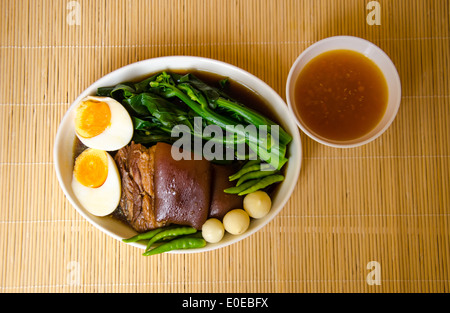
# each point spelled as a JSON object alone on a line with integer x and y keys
{"x": 384, "y": 206}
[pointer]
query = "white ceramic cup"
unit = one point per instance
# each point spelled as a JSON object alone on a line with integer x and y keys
{"x": 374, "y": 53}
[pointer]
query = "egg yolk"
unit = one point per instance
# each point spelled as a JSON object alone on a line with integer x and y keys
{"x": 92, "y": 118}
{"x": 91, "y": 168}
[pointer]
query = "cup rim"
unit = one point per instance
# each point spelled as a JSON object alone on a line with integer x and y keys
{"x": 343, "y": 42}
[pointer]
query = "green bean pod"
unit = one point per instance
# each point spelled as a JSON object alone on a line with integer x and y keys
{"x": 242, "y": 187}
{"x": 177, "y": 244}
{"x": 144, "y": 236}
{"x": 262, "y": 183}
{"x": 172, "y": 232}
{"x": 248, "y": 169}
{"x": 254, "y": 175}
{"x": 195, "y": 235}
{"x": 250, "y": 163}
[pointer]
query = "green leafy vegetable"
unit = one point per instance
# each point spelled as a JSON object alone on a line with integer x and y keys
{"x": 158, "y": 103}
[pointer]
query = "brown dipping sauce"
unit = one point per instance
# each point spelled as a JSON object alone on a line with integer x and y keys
{"x": 340, "y": 95}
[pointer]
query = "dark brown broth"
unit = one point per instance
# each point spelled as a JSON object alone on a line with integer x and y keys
{"x": 341, "y": 95}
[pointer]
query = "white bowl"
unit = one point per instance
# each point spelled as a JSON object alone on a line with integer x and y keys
{"x": 374, "y": 53}
{"x": 63, "y": 149}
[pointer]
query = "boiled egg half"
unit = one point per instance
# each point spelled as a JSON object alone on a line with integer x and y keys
{"x": 103, "y": 123}
{"x": 96, "y": 182}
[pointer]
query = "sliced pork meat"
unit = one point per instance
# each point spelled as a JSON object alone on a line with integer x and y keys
{"x": 136, "y": 166}
{"x": 158, "y": 190}
{"x": 182, "y": 188}
{"x": 222, "y": 202}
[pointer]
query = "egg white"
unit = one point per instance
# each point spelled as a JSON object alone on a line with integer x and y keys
{"x": 102, "y": 200}
{"x": 118, "y": 134}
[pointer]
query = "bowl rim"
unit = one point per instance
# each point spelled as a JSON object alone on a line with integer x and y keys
{"x": 343, "y": 39}
{"x": 295, "y": 145}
